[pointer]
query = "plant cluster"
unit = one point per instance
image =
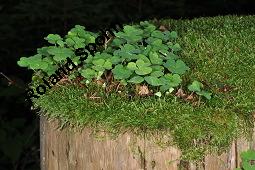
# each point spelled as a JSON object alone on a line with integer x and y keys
{"x": 211, "y": 59}
{"x": 139, "y": 54}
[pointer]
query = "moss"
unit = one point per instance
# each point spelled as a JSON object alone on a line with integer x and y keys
{"x": 220, "y": 52}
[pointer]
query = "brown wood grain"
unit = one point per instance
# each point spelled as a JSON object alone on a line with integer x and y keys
{"x": 68, "y": 150}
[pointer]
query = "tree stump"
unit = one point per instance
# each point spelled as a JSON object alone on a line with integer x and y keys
{"x": 65, "y": 150}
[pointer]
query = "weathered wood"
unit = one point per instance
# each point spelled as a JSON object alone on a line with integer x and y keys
{"x": 66, "y": 150}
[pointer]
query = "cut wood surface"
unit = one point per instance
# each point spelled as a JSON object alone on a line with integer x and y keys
{"x": 66, "y": 150}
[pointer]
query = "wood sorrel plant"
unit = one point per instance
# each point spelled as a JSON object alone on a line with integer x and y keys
{"x": 137, "y": 55}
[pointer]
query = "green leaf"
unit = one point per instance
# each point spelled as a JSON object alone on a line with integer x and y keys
{"x": 118, "y": 42}
{"x": 39, "y": 65}
{"x": 132, "y": 66}
{"x": 128, "y": 48}
{"x": 88, "y": 73}
{"x": 178, "y": 67}
{"x": 176, "y": 47}
{"x": 60, "y": 54}
{"x": 78, "y": 42}
{"x": 172, "y": 80}
{"x": 248, "y": 155}
{"x": 53, "y": 38}
{"x": 120, "y": 72}
{"x": 107, "y": 65}
{"x": 34, "y": 62}
{"x": 154, "y": 81}
{"x": 131, "y": 34}
{"x": 157, "y": 74}
{"x": 136, "y": 80}
{"x": 61, "y": 43}
{"x": 148, "y": 28}
{"x": 70, "y": 42}
{"x": 195, "y": 86}
{"x": 157, "y": 34}
{"x": 143, "y": 70}
{"x": 147, "y": 50}
{"x": 23, "y": 62}
{"x": 173, "y": 35}
{"x": 157, "y": 68}
{"x": 165, "y": 87}
{"x": 51, "y": 69}
{"x": 145, "y": 59}
{"x": 142, "y": 63}
{"x": 43, "y": 51}
{"x": 154, "y": 58}
{"x": 169, "y": 63}
{"x": 132, "y": 30}
{"x": 205, "y": 94}
{"x": 157, "y": 42}
{"x": 98, "y": 62}
{"x": 172, "y": 56}
{"x": 98, "y": 68}
{"x": 115, "y": 59}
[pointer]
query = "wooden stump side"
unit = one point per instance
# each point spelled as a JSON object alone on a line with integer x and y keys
{"x": 65, "y": 150}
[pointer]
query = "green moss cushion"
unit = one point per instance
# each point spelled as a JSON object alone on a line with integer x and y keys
{"x": 221, "y": 54}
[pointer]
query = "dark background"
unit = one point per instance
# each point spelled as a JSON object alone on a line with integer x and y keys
{"x": 24, "y": 24}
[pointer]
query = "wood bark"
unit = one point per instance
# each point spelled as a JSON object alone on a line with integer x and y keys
{"x": 66, "y": 150}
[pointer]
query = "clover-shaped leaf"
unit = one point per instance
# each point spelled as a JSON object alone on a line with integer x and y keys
{"x": 148, "y": 27}
{"x": 115, "y": 59}
{"x": 70, "y": 42}
{"x": 195, "y": 86}
{"x": 99, "y": 62}
{"x": 173, "y": 80}
{"x": 78, "y": 42}
{"x": 51, "y": 69}
{"x": 142, "y": 63}
{"x": 169, "y": 63}
{"x": 61, "y": 43}
{"x": 132, "y": 66}
{"x": 157, "y": 68}
{"x": 178, "y": 67}
{"x": 143, "y": 68}
{"x": 157, "y": 73}
{"x": 60, "y": 54}
{"x": 120, "y": 72}
{"x": 176, "y": 47}
{"x": 38, "y": 65}
{"x": 155, "y": 59}
{"x": 118, "y": 41}
{"x": 173, "y": 35}
{"x": 43, "y": 51}
{"x": 53, "y": 38}
{"x": 107, "y": 65}
{"x": 247, "y": 158}
{"x": 205, "y": 94}
{"x": 34, "y": 62}
{"x": 88, "y": 73}
{"x": 154, "y": 81}
{"x": 131, "y": 34}
{"x": 136, "y": 79}
{"x": 157, "y": 34}
{"x": 144, "y": 58}
{"x": 147, "y": 50}
{"x": 23, "y": 62}
{"x": 132, "y": 30}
